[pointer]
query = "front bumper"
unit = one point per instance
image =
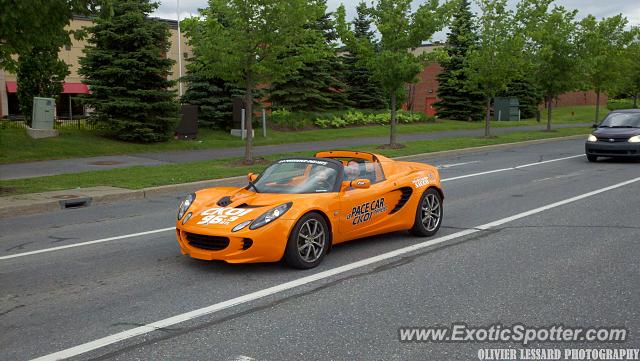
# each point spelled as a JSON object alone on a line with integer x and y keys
{"x": 619, "y": 149}
{"x": 266, "y": 244}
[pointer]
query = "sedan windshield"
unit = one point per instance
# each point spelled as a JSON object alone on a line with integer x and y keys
{"x": 296, "y": 176}
{"x": 621, "y": 120}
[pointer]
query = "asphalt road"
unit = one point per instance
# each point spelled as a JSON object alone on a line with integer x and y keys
{"x": 574, "y": 264}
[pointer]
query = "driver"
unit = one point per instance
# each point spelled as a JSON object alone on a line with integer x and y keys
{"x": 321, "y": 178}
{"x": 352, "y": 170}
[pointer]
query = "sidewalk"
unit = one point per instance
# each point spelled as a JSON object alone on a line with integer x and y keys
{"x": 78, "y": 165}
{"x": 33, "y": 203}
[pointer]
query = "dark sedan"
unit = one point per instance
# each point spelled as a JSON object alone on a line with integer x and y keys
{"x": 617, "y": 136}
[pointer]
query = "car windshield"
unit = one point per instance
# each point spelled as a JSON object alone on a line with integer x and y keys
{"x": 296, "y": 176}
{"x": 621, "y": 120}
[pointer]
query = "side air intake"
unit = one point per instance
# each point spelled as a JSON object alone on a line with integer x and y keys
{"x": 404, "y": 198}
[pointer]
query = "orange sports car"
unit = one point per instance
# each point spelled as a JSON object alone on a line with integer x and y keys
{"x": 299, "y": 207}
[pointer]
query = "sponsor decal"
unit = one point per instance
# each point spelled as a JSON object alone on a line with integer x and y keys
{"x": 308, "y": 161}
{"x": 423, "y": 181}
{"x": 222, "y": 215}
{"x": 363, "y": 212}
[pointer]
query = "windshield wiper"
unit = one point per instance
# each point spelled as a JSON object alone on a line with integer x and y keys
{"x": 621, "y": 126}
{"x": 251, "y": 185}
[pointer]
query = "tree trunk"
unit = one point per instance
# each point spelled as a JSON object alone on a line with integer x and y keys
{"x": 549, "y": 102}
{"x": 487, "y": 119}
{"x": 635, "y": 101}
{"x": 248, "y": 117}
{"x": 392, "y": 138}
{"x": 597, "y": 106}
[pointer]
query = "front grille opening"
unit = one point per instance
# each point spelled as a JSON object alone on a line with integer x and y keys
{"x": 211, "y": 243}
{"x": 246, "y": 243}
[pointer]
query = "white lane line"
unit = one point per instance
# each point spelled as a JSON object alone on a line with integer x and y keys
{"x": 445, "y": 166}
{"x": 171, "y": 321}
{"x": 86, "y": 243}
{"x": 172, "y": 228}
{"x": 510, "y": 168}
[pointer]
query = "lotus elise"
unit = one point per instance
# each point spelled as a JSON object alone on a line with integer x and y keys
{"x": 298, "y": 208}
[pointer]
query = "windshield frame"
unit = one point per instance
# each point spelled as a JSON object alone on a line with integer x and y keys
{"x": 635, "y": 115}
{"x": 325, "y": 162}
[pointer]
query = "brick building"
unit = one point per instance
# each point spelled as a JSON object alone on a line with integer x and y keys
{"x": 73, "y": 85}
{"x": 424, "y": 93}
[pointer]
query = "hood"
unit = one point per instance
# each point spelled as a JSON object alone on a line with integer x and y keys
{"x": 224, "y": 208}
{"x": 616, "y": 132}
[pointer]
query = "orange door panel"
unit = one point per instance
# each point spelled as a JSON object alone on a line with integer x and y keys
{"x": 365, "y": 211}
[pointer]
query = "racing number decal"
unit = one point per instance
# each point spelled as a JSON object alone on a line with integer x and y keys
{"x": 222, "y": 216}
{"x": 363, "y": 212}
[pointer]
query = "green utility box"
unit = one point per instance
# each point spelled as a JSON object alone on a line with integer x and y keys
{"x": 507, "y": 108}
{"x": 43, "y": 110}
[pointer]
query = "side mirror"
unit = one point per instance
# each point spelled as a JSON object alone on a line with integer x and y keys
{"x": 360, "y": 183}
{"x": 594, "y": 126}
{"x": 251, "y": 177}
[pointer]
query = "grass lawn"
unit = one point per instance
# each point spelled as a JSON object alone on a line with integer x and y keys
{"x": 141, "y": 177}
{"x": 16, "y": 146}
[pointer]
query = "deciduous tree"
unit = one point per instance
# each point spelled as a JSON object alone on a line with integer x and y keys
{"x": 401, "y": 30}
{"x": 242, "y": 42}
{"x": 40, "y": 74}
{"x": 603, "y": 44}
{"x": 552, "y": 48}
{"x": 494, "y": 62}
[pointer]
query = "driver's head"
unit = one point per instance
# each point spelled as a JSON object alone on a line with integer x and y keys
{"x": 352, "y": 170}
{"x": 322, "y": 174}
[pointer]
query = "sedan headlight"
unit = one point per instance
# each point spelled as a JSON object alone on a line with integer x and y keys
{"x": 270, "y": 215}
{"x": 634, "y": 139}
{"x": 184, "y": 206}
{"x": 592, "y": 138}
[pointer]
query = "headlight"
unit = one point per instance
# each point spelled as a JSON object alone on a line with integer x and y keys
{"x": 592, "y": 138}
{"x": 634, "y": 139}
{"x": 270, "y": 215}
{"x": 240, "y": 226}
{"x": 184, "y": 206}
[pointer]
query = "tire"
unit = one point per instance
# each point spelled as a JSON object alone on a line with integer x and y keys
{"x": 301, "y": 250}
{"x": 592, "y": 158}
{"x": 428, "y": 214}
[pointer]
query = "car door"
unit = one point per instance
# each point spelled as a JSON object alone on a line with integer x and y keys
{"x": 364, "y": 212}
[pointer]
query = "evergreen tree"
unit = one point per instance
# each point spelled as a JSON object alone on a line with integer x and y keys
{"x": 126, "y": 69}
{"x": 317, "y": 85}
{"x": 214, "y": 98}
{"x": 457, "y": 102}
{"x": 40, "y": 74}
{"x": 363, "y": 91}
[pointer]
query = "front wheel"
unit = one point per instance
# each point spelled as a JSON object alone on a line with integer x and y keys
{"x": 308, "y": 242}
{"x": 592, "y": 158}
{"x": 428, "y": 214}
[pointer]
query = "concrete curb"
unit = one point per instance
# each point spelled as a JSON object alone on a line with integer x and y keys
{"x": 99, "y": 195}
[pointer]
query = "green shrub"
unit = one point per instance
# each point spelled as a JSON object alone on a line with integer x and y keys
{"x": 358, "y": 118}
{"x": 284, "y": 119}
{"x": 614, "y": 104}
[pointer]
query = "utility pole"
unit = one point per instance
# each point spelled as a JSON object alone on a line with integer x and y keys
{"x": 179, "y": 50}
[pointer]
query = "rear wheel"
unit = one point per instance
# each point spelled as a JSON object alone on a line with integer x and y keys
{"x": 428, "y": 214}
{"x": 592, "y": 158}
{"x": 308, "y": 242}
